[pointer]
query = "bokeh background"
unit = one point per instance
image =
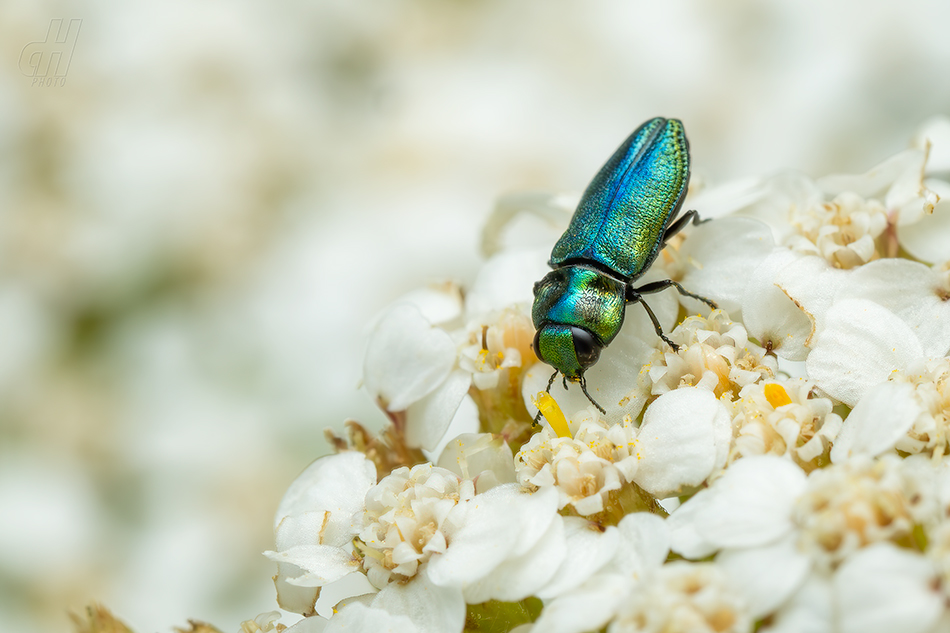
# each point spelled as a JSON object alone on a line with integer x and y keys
{"x": 198, "y": 225}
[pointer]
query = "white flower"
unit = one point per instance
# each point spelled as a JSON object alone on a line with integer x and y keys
{"x": 884, "y": 588}
{"x": 833, "y": 227}
{"x": 850, "y": 506}
{"x": 406, "y": 358}
{"x": 715, "y": 355}
{"x": 421, "y": 374}
{"x": 414, "y": 607}
{"x": 864, "y": 343}
{"x": 425, "y": 527}
{"x": 508, "y": 544}
{"x": 683, "y": 597}
{"x": 909, "y": 413}
{"x": 409, "y": 367}
{"x": 553, "y": 210}
{"x": 506, "y": 280}
{"x": 915, "y": 293}
{"x": 781, "y": 418}
{"x": 860, "y": 346}
{"x": 778, "y": 534}
{"x": 881, "y": 588}
{"x": 482, "y": 457}
{"x": 263, "y": 623}
{"x": 500, "y": 341}
{"x": 683, "y": 439}
{"x": 842, "y": 231}
{"x": 842, "y": 218}
{"x": 770, "y": 315}
{"x": 407, "y": 519}
{"x": 642, "y": 548}
{"x": 580, "y": 468}
{"x": 315, "y": 522}
{"x": 638, "y": 592}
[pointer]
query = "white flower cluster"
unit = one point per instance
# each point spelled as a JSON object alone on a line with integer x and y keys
{"x": 785, "y": 469}
{"x": 584, "y": 468}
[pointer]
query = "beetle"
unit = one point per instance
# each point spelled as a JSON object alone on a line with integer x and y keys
{"x": 627, "y": 214}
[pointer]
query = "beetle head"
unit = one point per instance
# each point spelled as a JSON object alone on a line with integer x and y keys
{"x": 567, "y": 348}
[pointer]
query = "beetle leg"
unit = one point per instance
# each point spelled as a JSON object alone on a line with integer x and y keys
{"x": 633, "y": 296}
{"x": 657, "y": 286}
{"x": 537, "y": 417}
{"x": 592, "y": 401}
{"x": 690, "y": 216}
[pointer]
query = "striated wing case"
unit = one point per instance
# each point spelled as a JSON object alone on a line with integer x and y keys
{"x": 625, "y": 210}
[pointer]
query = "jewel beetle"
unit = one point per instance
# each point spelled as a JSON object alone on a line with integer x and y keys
{"x": 625, "y": 217}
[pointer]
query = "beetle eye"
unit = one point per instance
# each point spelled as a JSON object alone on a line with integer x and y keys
{"x": 536, "y": 344}
{"x": 585, "y": 346}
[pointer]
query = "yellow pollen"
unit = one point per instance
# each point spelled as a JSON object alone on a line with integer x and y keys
{"x": 551, "y": 411}
{"x": 776, "y": 395}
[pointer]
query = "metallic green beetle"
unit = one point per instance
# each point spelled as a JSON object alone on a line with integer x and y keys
{"x": 622, "y": 222}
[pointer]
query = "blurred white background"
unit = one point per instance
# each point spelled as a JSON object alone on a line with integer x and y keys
{"x": 196, "y": 228}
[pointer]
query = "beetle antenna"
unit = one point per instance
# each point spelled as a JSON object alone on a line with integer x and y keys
{"x": 583, "y": 382}
{"x": 537, "y": 417}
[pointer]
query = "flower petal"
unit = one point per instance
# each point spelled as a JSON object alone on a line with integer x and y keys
{"x": 587, "y": 608}
{"x": 497, "y": 525}
{"x": 723, "y": 200}
{"x": 770, "y": 316}
{"x": 438, "y": 303}
{"x": 809, "y": 610}
{"x": 644, "y": 543}
{"x": 406, "y": 358}
{"x": 553, "y": 210}
{"x": 683, "y": 438}
{"x": 767, "y": 575}
{"x": 313, "y": 624}
{"x": 518, "y": 577}
{"x": 862, "y": 343}
{"x": 928, "y": 239}
{"x": 588, "y": 550}
{"x": 475, "y": 455}
{"x": 935, "y": 131}
{"x": 780, "y": 193}
{"x": 812, "y": 284}
{"x": 919, "y": 299}
{"x": 878, "y": 178}
{"x": 356, "y": 617}
{"x": 724, "y": 253}
{"x": 336, "y": 484}
{"x": 505, "y": 280}
{"x": 321, "y": 564}
{"x": 881, "y": 418}
{"x": 432, "y": 609}
{"x": 749, "y": 506}
{"x": 685, "y": 537}
{"x": 427, "y": 419}
{"x": 883, "y": 588}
